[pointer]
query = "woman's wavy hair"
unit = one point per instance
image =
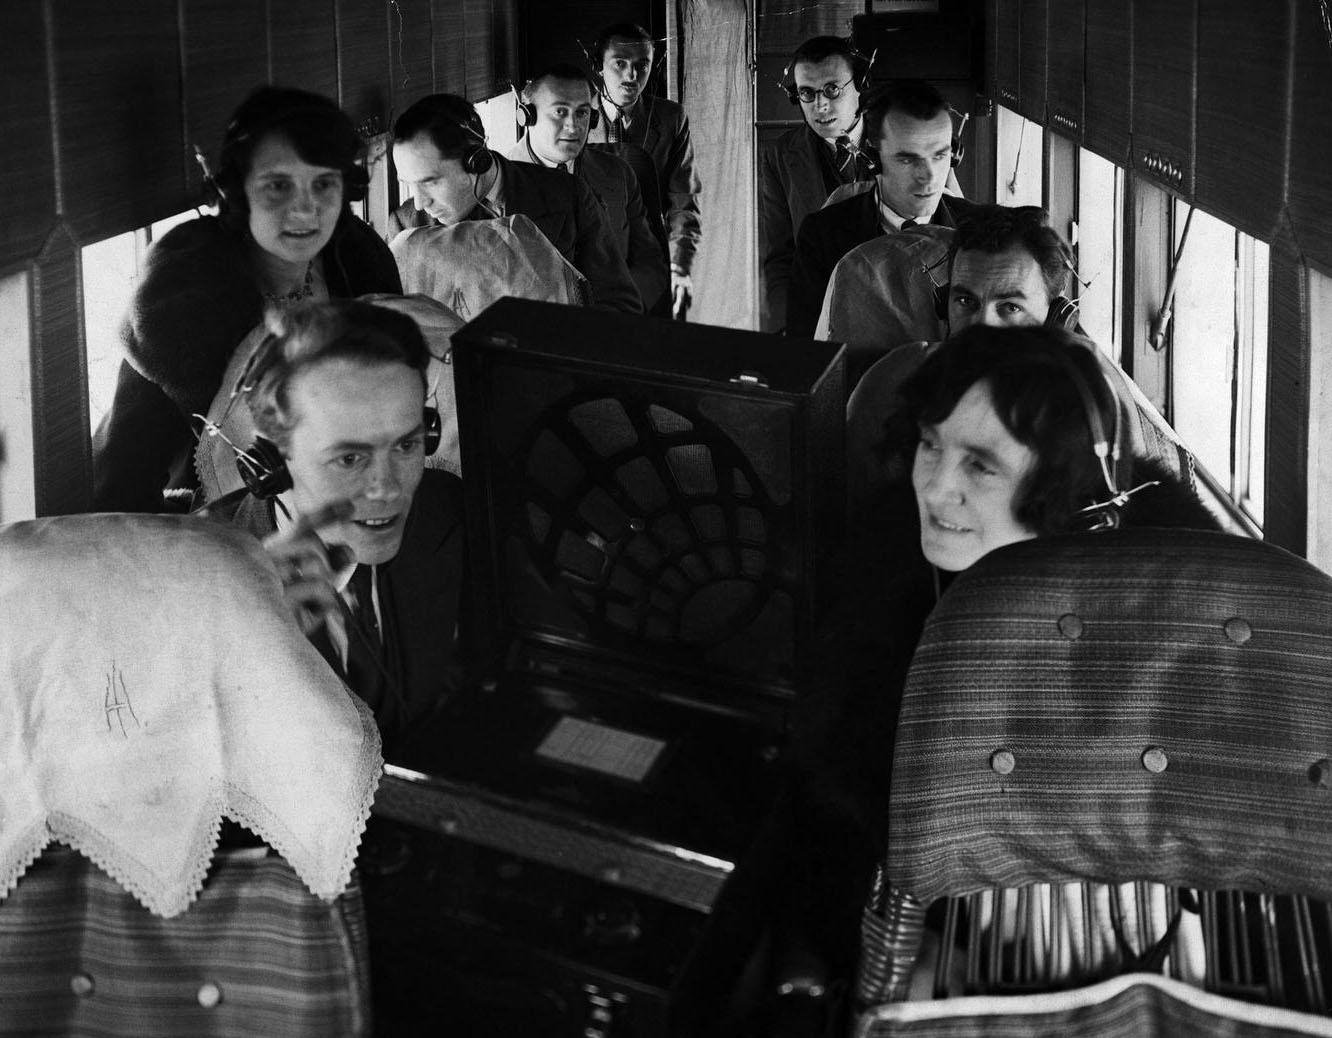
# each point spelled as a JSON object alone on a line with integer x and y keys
{"x": 321, "y": 132}
{"x": 1042, "y": 382}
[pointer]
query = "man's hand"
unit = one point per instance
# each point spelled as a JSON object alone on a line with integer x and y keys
{"x": 682, "y": 294}
{"x": 307, "y": 567}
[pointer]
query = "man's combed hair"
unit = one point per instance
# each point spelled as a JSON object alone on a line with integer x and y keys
{"x": 821, "y": 48}
{"x": 913, "y": 97}
{"x": 996, "y": 228}
{"x": 311, "y": 333}
{"x": 1032, "y": 375}
{"x": 620, "y": 31}
{"x": 448, "y": 120}
{"x": 561, "y": 73}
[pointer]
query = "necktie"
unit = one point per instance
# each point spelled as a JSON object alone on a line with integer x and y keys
{"x": 365, "y": 647}
{"x": 909, "y": 222}
{"x": 615, "y": 130}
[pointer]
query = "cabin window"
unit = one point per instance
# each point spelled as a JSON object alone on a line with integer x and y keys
{"x": 111, "y": 271}
{"x": 1018, "y": 166}
{"x": 497, "y": 116}
{"x": 1218, "y": 352}
{"x": 18, "y": 486}
{"x": 1098, "y": 240}
{"x": 1319, "y": 546}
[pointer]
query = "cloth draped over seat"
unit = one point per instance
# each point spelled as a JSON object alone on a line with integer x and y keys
{"x": 469, "y": 265}
{"x": 153, "y": 681}
{"x": 881, "y": 294}
{"x": 230, "y": 426}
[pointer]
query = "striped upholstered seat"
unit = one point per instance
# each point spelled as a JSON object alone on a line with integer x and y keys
{"x": 1104, "y": 742}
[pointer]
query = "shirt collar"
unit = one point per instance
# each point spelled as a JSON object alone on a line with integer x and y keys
{"x": 890, "y": 220}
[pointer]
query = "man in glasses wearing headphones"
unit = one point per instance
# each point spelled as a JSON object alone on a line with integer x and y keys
{"x": 910, "y": 126}
{"x": 439, "y": 150}
{"x": 623, "y": 58}
{"x": 557, "y": 109}
{"x": 799, "y": 170}
{"x": 368, "y": 543}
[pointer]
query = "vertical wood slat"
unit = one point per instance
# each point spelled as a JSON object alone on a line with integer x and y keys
{"x": 411, "y": 53}
{"x": 363, "y": 62}
{"x": 119, "y": 124}
{"x": 1309, "y": 195}
{"x": 451, "y": 57}
{"x": 1243, "y": 120}
{"x": 508, "y": 64}
{"x": 1109, "y": 82}
{"x": 62, "y": 444}
{"x": 225, "y": 48}
{"x": 480, "y": 31}
{"x": 1007, "y": 74}
{"x": 1067, "y": 53}
{"x": 304, "y": 42}
{"x": 1033, "y": 55}
{"x": 1165, "y": 78}
{"x": 1285, "y": 504}
{"x": 27, "y": 171}
{"x": 1147, "y": 248}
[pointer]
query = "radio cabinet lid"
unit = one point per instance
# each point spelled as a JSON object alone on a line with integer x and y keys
{"x": 651, "y": 494}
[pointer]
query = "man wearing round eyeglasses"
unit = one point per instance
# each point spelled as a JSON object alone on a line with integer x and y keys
{"x": 802, "y": 167}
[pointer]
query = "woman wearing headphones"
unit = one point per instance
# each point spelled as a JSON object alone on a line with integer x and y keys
{"x": 290, "y": 164}
{"x": 1012, "y": 436}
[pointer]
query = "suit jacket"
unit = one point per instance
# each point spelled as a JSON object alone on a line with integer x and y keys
{"x": 661, "y": 128}
{"x": 616, "y": 190}
{"x": 420, "y": 600}
{"x": 827, "y": 236}
{"x": 567, "y": 213}
{"x": 791, "y": 186}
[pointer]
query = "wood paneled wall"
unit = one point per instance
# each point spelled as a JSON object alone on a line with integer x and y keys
{"x": 102, "y": 104}
{"x": 1221, "y": 102}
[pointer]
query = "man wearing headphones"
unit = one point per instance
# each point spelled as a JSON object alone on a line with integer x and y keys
{"x": 1007, "y": 267}
{"x": 368, "y": 544}
{"x": 556, "y": 108}
{"x": 439, "y": 149}
{"x": 799, "y": 170}
{"x": 622, "y": 62}
{"x": 911, "y": 127}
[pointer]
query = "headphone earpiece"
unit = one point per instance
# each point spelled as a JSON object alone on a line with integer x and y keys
{"x": 1063, "y": 314}
{"x": 861, "y": 68}
{"x": 434, "y": 430}
{"x": 263, "y": 469}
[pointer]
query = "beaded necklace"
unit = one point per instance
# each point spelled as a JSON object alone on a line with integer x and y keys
{"x": 296, "y": 295}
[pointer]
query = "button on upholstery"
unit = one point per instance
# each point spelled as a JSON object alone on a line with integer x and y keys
{"x": 1003, "y": 762}
{"x": 209, "y": 994}
{"x": 1154, "y": 759}
{"x": 82, "y": 984}
{"x": 1070, "y": 627}
{"x": 1238, "y": 630}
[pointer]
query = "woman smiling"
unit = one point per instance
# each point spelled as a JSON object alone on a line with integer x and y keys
{"x": 290, "y": 164}
{"x": 1011, "y": 437}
